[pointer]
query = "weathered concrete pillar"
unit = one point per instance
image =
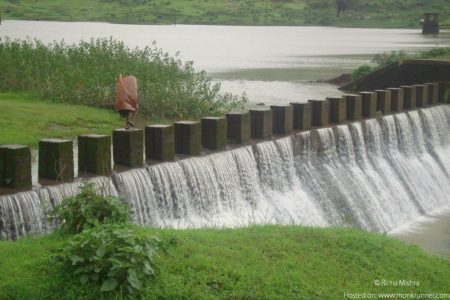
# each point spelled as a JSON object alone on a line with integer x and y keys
{"x": 433, "y": 93}
{"x": 397, "y": 97}
{"x": 384, "y": 101}
{"x": 320, "y": 113}
{"x": 410, "y": 96}
{"x": 283, "y": 116}
{"x": 369, "y": 104}
{"x": 128, "y": 147}
{"x": 188, "y": 137}
{"x": 56, "y": 159}
{"x": 94, "y": 154}
{"x": 214, "y": 132}
{"x": 441, "y": 91}
{"x": 354, "y": 107}
{"x": 261, "y": 123}
{"x": 238, "y": 127}
{"x": 159, "y": 142}
{"x": 15, "y": 166}
{"x": 301, "y": 115}
{"x": 337, "y": 110}
{"x": 422, "y": 95}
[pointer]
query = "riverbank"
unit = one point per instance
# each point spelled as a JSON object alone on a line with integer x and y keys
{"x": 361, "y": 13}
{"x": 259, "y": 262}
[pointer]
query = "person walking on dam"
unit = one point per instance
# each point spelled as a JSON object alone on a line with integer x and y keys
{"x": 127, "y": 99}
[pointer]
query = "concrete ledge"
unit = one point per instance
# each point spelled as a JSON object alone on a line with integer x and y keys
{"x": 369, "y": 104}
{"x": 354, "y": 107}
{"x": 397, "y": 99}
{"x": 383, "y": 101}
{"x": 283, "y": 116}
{"x": 128, "y": 147}
{"x": 15, "y": 166}
{"x": 301, "y": 115}
{"x": 320, "y": 113}
{"x": 261, "y": 123}
{"x": 56, "y": 159}
{"x": 410, "y": 96}
{"x": 94, "y": 154}
{"x": 337, "y": 110}
{"x": 422, "y": 95}
{"x": 238, "y": 127}
{"x": 214, "y": 132}
{"x": 188, "y": 137}
{"x": 433, "y": 93}
{"x": 159, "y": 142}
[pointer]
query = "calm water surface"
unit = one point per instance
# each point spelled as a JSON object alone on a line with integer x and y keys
{"x": 270, "y": 64}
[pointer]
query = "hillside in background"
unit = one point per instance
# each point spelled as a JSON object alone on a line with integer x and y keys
{"x": 361, "y": 13}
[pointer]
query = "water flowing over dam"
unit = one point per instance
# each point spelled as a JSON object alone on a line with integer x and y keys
{"x": 377, "y": 175}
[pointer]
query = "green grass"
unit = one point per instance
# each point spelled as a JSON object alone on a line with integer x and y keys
{"x": 25, "y": 119}
{"x": 362, "y": 13}
{"x": 262, "y": 262}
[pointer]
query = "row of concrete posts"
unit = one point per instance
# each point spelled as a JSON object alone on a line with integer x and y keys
{"x": 163, "y": 142}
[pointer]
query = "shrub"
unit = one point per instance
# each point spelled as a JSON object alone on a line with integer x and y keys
{"x": 361, "y": 71}
{"x": 86, "y": 74}
{"x": 89, "y": 209}
{"x": 112, "y": 257}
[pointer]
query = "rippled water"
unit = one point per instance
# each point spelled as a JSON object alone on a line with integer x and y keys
{"x": 271, "y": 64}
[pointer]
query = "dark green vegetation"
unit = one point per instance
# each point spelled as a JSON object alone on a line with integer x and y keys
{"x": 25, "y": 119}
{"x": 385, "y": 59}
{"x": 361, "y": 13}
{"x": 88, "y": 209}
{"x": 86, "y": 74}
{"x": 262, "y": 262}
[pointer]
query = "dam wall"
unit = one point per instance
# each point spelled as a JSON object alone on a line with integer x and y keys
{"x": 371, "y": 173}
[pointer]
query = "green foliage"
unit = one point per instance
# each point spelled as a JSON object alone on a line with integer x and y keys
{"x": 361, "y": 71}
{"x": 259, "y": 262}
{"x": 86, "y": 74}
{"x": 113, "y": 257}
{"x": 89, "y": 209}
{"x": 385, "y": 59}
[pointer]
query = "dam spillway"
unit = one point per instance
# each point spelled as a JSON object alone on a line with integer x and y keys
{"x": 377, "y": 174}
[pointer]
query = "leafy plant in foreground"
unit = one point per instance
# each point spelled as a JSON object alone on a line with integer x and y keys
{"x": 113, "y": 257}
{"x": 89, "y": 209}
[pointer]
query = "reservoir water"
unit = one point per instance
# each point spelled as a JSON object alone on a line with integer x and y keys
{"x": 271, "y": 64}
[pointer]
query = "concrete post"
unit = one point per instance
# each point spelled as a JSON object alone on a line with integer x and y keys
{"x": 397, "y": 97}
{"x": 15, "y": 166}
{"x": 128, "y": 147}
{"x": 238, "y": 127}
{"x": 261, "y": 123}
{"x": 320, "y": 113}
{"x": 283, "y": 118}
{"x": 94, "y": 154}
{"x": 354, "y": 107}
{"x": 433, "y": 93}
{"x": 410, "y": 96}
{"x": 384, "y": 101}
{"x": 337, "y": 110}
{"x": 422, "y": 95}
{"x": 56, "y": 159}
{"x": 369, "y": 104}
{"x": 441, "y": 91}
{"x": 301, "y": 115}
{"x": 159, "y": 142}
{"x": 188, "y": 137}
{"x": 214, "y": 132}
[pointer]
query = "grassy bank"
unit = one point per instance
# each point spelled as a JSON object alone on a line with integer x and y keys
{"x": 25, "y": 119}
{"x": 268, "y": 262}
{"x": 361, "y": 13}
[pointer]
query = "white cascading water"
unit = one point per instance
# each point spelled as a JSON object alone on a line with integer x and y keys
{"x": 377, "y": 175}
